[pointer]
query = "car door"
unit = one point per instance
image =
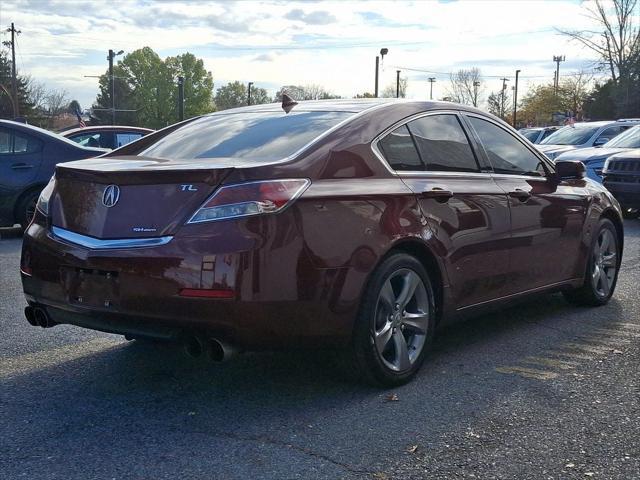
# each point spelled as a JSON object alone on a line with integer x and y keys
{"x": 547, "y": 216}
{"x": 466, "y": 212}
{"x": 20, "y": 158}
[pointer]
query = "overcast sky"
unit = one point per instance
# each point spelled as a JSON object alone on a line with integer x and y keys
{"x": 276, "y": 43}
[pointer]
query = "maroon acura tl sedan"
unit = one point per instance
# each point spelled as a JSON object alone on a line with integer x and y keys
{"x": 357, "y": 224}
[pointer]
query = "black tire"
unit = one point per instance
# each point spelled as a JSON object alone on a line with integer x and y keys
{"x": 26, "y": 208}
{"x": 366, "y": 361}
{"x": 589, "y": 294}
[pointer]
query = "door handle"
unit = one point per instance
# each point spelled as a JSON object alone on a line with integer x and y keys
{"x": 21, "y": 166}
{"x": 521, "y": 195}
{"x": 438, "y": 194}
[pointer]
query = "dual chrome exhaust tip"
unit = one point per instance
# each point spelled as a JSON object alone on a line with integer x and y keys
{"x": 38, "y": 317}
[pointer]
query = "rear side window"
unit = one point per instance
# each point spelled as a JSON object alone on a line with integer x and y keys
{"x": 442, "y": 144}
{"x": 506, "y": 153}
{"x": 12, "y": 142}
{"x": 126, "y": 137}
{"x": 400, "y": 151}
{"x": 252, "y": 135}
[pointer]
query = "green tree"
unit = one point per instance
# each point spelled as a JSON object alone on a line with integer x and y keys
{"x": 231, "y": 95}
{"x": 25, "y": 106}
{"x": 147, "y": 85}
{"x": 365, "y": 95}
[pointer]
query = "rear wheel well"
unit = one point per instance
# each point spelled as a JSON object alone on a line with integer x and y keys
{"x": 427, "y": 258}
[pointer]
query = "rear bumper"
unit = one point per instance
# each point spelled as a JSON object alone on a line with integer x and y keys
{"x": 279, "y": 298}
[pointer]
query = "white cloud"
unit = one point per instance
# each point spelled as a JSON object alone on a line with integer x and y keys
{"x": 276, "y": 43}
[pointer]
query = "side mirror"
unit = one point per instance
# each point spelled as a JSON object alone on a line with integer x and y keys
{"x": 600, "y": 141}
{"x": 570, "y": 169}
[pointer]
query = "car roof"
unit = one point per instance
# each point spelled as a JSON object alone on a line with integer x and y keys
{"x": 38, "y": 132}
{"x": 106, "y": 128}
{"x": 355, "y": 105}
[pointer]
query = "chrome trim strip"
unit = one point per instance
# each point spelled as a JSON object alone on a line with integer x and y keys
{"x": 107, "y": 244}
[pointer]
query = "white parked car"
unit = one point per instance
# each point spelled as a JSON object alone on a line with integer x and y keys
{"x": 584, "y": 135}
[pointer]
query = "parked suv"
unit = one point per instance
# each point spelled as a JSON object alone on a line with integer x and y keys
{"x": 28, "y": 156}
{"x": 595, "y": 157}
{"x": 622, "y": 178}
{"x": 584, "y": 135}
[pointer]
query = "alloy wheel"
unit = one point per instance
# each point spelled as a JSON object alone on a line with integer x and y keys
{"x": 401, "y": 319}
{"x": 604, "y": 263}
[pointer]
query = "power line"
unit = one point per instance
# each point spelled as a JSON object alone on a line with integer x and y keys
{"x": 499, "y": 77}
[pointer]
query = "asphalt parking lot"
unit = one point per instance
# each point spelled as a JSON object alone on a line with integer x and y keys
{"x": 543, "y": 390}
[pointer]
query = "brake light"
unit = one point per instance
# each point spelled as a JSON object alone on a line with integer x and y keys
{"x": 251, "y": 198}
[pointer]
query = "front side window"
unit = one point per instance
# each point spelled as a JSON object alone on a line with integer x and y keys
{"x": 400, "y": 151}
{"x": 505, "y": 152}
{"x": 87, "y": 139}
{"x": 628, "y": 139}
{"x": 609, "y": 133}
{"x": 252, "y": 135}
{"x": 442, "y": 144}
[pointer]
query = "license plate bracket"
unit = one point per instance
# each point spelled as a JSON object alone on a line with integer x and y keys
{"x": 91, "y": 287}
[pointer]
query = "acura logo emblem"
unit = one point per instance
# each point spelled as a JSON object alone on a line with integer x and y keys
{"x": 111, "y": 195}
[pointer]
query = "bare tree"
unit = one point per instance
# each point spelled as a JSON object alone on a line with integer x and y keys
{"x": 618, "y": 43}
{"x": 575, "y": 90}
{"x": 56, "y": 102}
{"x": 498, "y": 103}
{"x": 466, "y": 86}
{"x": 36, "y": 93}
{"x": 390, "y": 90}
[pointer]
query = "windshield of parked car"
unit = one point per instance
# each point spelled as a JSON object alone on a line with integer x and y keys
{"x": 628, "y": 139}
{"x": 252, "y": 135}
{"x": 530, "y": 134}
{"x": 571, "y": 135}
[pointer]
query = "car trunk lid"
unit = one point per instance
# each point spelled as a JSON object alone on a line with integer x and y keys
{"x": 132, "y": 197}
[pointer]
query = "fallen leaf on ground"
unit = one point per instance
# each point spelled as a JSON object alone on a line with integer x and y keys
{"x": 392, "y": 397}
{"x": 617, "y": 352}
{"x": 412, "y": 449}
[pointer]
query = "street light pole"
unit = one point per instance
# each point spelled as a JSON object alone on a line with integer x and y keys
{"x": 397, "y": 83}
{"x": 476, "y": 84}
{"x": 181, "y": 98}
{"x": 431, "y": 80}
{"x": 383, "y": 52}
{"x": 112, "y": 89}
{"x": 249, "y": 93}
{"x": 558, "y": 59}
{"x": 515, "y": 99}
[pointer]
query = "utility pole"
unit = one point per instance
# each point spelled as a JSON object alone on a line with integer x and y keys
{"x": 504, "y": 96}
{"x": 112, "y": 90}
{"x": 180, "y": 98}
{"x": 249, "y": 93}
{"x": 515, "y": 99}
{"x": 476, "y": 84}
{"x": 383, "y": 52}
{"x": 14, "y": 78}
{"x": 558, "y": 59}
{"x": 431, "y": 80}
{"x": 397, "y": 83}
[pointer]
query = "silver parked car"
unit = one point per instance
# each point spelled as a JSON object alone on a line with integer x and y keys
{"x": 584, "y": 135}
{"x": 537, "y": 134}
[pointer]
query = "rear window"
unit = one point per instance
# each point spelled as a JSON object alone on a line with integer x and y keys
{"x": 257, "y": 135}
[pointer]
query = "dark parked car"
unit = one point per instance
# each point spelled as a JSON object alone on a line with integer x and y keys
{"x": 358, "y": 224}
{"x": 537, "y": 134}
{"x": 28, "y": 156}
{"x": 622, "y": 178}
{"x": 106, "y": 136}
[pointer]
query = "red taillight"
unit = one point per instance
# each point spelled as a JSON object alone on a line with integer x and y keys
{"x": 207, "y": 293}
{"x": 251, "y": 198}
